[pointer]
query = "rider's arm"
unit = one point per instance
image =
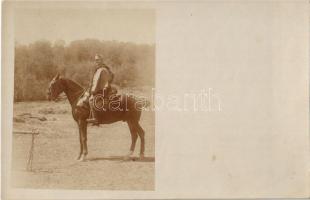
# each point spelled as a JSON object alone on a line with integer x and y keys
{"x": 104, "y": 79}
{"x": 100, "y": 80}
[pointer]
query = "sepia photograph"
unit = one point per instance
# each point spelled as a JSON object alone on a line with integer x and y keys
{"x": 155, "y": 99}
{"x": 83, "y": 84}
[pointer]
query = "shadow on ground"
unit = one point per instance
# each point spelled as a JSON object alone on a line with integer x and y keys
{"x": 121, "y": 158}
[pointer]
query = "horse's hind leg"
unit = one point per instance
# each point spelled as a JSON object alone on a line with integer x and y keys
{"x": 134, "y": 136}
{"x": 141, "y": 135}
{"x": 81, "y": 145}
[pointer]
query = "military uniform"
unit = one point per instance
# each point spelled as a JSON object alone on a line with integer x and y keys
{"x": 100, "y": 90}
{"x": 101, "y": 80}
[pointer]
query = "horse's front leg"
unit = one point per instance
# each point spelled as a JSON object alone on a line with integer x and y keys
{"x": 83, "y": 134}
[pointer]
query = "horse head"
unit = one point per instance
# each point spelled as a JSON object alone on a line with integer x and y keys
{"x": 55, "y": 88}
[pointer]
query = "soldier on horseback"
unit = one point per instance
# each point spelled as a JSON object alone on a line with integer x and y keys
{"x": 100, "y": 89}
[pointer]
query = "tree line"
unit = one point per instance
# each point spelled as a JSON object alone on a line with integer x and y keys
{"x": 37, "y": 63}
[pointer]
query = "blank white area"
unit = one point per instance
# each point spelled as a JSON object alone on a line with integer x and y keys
{"x": 255, "y": 57}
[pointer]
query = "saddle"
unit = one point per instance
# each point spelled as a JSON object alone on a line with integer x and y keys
{"x": 111, "y": 94}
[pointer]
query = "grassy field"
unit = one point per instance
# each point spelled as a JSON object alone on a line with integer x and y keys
{"x": 57, "y": 146}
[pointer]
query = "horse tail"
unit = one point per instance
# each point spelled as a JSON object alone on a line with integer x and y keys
{"x": 138, "y": 115}
{"x": 143, "y": 104}
{"x": 147, "y": 103}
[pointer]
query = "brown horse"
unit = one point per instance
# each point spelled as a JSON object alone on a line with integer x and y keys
{"x": 127, "y": 111}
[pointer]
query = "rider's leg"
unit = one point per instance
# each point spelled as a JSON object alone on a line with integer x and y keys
{"x": 94, "y": 112}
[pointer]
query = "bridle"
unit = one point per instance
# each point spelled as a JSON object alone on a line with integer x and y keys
{"x": 64, "y": 96}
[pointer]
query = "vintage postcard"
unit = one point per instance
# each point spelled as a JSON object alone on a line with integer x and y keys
{"x": 155, "y": 100}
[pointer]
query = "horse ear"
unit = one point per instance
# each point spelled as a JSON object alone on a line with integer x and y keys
{"x": 57, "y": 76}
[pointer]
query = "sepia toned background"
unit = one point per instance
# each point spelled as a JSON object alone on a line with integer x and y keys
{"x": 52, "y": 40}
{"x": 255, "y": 57}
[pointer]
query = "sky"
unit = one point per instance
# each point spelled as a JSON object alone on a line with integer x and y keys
{"x": 81, "y": 23}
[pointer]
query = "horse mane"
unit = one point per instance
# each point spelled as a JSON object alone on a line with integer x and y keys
{"x": 72, "y": 84}
{"x": 72, "y": 89}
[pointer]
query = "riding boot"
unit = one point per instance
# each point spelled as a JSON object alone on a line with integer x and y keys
{"x": 105, "y": 104}
{"x": 106, "y": 92}
{"x": 94, "y": 116}
{"x": 94, "y": 120}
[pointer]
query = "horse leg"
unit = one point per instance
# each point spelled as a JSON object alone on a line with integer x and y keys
{"x": 141, "y": 134}
{"x": 83, "y": 127}
{"x": 134, "y": 137}
{"x": 81, "y": 145}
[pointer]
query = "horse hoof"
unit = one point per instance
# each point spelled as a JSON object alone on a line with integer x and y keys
{"x": 141, "y": 156}
{"x": 78, "y": 158}
{"x": 127, "y": 157}
{"x": 82, "y": 158}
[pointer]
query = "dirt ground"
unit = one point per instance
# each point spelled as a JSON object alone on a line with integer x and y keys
{"x": 57, "y": 147}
